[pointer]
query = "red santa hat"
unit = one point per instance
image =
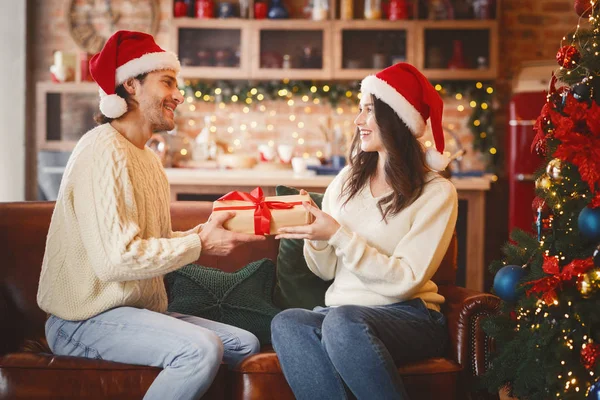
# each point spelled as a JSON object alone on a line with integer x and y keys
{"x": 412, "y": 97}
{"x": 126, "y": 55}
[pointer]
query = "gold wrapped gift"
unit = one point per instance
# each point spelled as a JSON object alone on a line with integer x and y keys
{"x": 261, "y": 215}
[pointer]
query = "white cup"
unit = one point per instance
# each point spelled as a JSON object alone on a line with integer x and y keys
{"x": 299, "y": 165}
{"x": 267, "y": 152}
{"x": 285, "y": 152}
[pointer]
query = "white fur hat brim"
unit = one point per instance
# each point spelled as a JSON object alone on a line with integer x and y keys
{"x": 386, "y": 93}
{"x": 147, "y": 63}
{"x": 112, "y": 106}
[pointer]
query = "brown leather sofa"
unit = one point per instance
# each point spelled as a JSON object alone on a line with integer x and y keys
{"x": 28, "y": 370}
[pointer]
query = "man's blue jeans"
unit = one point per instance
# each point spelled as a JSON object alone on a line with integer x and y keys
{"x": 189, "y": 349}
{"x": 331, "y": 353}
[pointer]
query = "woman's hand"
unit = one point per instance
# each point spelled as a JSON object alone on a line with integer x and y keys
{"x": 322, "y": 228}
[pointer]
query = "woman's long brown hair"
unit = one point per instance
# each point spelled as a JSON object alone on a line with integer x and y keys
{"x": 405, "y": 168}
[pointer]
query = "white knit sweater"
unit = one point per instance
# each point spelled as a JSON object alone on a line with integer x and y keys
{"x": 110, "y": 238}
{"x": 378, "y": 263}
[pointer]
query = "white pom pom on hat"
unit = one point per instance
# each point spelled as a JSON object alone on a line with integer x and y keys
{"x": 126, "y": 54}
{"x": 113, "y": 106}
{"x": 408, "y": 92}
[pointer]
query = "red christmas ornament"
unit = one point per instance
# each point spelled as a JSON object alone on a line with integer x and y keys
{"x": 568, "y": 57}
{"x": 589, "y": 355}
{"x": 583, "y": 8}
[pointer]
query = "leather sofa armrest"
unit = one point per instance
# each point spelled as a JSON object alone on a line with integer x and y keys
{"x": 465, "y": 309}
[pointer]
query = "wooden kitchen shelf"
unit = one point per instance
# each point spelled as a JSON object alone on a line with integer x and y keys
{"x": 253, "y": 40}
{"x": 54, "y": 126}
{"x": 479, "y": 39}
{"x": 357, "y": 42}
{"x": 213, "y": 48}
{"x": 307, "y": 44}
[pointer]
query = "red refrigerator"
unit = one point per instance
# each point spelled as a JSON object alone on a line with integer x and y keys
{"x": 523, "y": 110}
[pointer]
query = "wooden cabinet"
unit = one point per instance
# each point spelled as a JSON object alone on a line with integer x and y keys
{"x": 64, "y": 111}
{"x": 295, "y": 48}
{"x": 303, "y": 49}
{"x": 291, "y": 49}
{"x": 366, "y": 47}
{"x": 478, "y": 41}
{"x": 213, "y": 48}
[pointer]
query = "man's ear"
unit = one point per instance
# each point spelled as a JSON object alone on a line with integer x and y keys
{"x": 131, "y": 85}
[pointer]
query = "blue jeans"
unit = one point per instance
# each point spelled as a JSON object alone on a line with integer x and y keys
{"x": 189, "y": 349}
{"x": 335, "y": 352}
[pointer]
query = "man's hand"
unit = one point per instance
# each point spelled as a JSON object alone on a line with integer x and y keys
{"x": 217, "y": 241}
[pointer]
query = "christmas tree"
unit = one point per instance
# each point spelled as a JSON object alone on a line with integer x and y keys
{"x": 547, "y": 336}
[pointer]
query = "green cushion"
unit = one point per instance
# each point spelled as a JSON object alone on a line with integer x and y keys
{"x": 241, "y": 298}
{"x": 296, "y": 285}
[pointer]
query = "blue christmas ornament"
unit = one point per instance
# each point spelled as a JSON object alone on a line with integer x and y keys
{"x": 594, "y": 391}
{"x": 505, "y": 282}
{"x": 589, "y": 224}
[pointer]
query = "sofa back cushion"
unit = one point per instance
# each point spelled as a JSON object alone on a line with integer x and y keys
{"x": 242, "y": 298}
{"x": 296, "y": 285}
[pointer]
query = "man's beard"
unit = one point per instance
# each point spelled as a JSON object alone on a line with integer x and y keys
{"x": 160, "y": 123}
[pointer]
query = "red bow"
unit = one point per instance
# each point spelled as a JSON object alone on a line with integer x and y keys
{"x": 550, "y": 284}
{"x": 262, "y": 213}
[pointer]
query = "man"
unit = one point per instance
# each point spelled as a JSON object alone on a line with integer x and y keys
{"x": 110, "y": 240}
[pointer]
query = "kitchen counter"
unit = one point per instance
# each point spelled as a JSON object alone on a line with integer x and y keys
{"x": 218, "y": 182}
{"x": 251, "y": 177}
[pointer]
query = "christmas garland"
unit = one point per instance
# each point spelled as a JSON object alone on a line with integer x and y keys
{"x": 477, "y": 96}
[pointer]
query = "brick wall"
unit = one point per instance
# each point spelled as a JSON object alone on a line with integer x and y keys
{"x": 532, "y": 30}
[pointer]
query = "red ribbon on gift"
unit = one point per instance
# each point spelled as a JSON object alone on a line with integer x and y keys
{"x": 262, "y": 213}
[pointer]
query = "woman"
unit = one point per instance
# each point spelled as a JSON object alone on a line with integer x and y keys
{"x": 386, "y": 224}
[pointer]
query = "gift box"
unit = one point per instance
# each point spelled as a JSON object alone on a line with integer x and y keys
{"x": 260, "y": 215}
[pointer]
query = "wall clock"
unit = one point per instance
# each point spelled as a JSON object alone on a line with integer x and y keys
{"x": 91, "y": 22}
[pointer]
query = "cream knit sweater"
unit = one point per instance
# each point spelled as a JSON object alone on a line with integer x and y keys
{"x": 378, "y": 263}
{"x": 110, "y": 238}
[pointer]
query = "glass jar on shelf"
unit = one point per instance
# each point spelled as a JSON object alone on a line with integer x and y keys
{"x": 205, "y": 9}
{"x": 190, "y": 8}
{"x": 372, "y": 9}
{"x": 179, "y": 9}
{"x": 277, "y": 10}
{"x": 319, "y": 10}
{"x": 347, "y": 10}
{"x": 399, "y": 10}
{"x": 483, "y": 9}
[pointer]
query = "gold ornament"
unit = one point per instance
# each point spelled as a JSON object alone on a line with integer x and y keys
{"x": 589, "y": 283}
{"x": 543, "y": 182}
{"x": 554, "y": 169}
